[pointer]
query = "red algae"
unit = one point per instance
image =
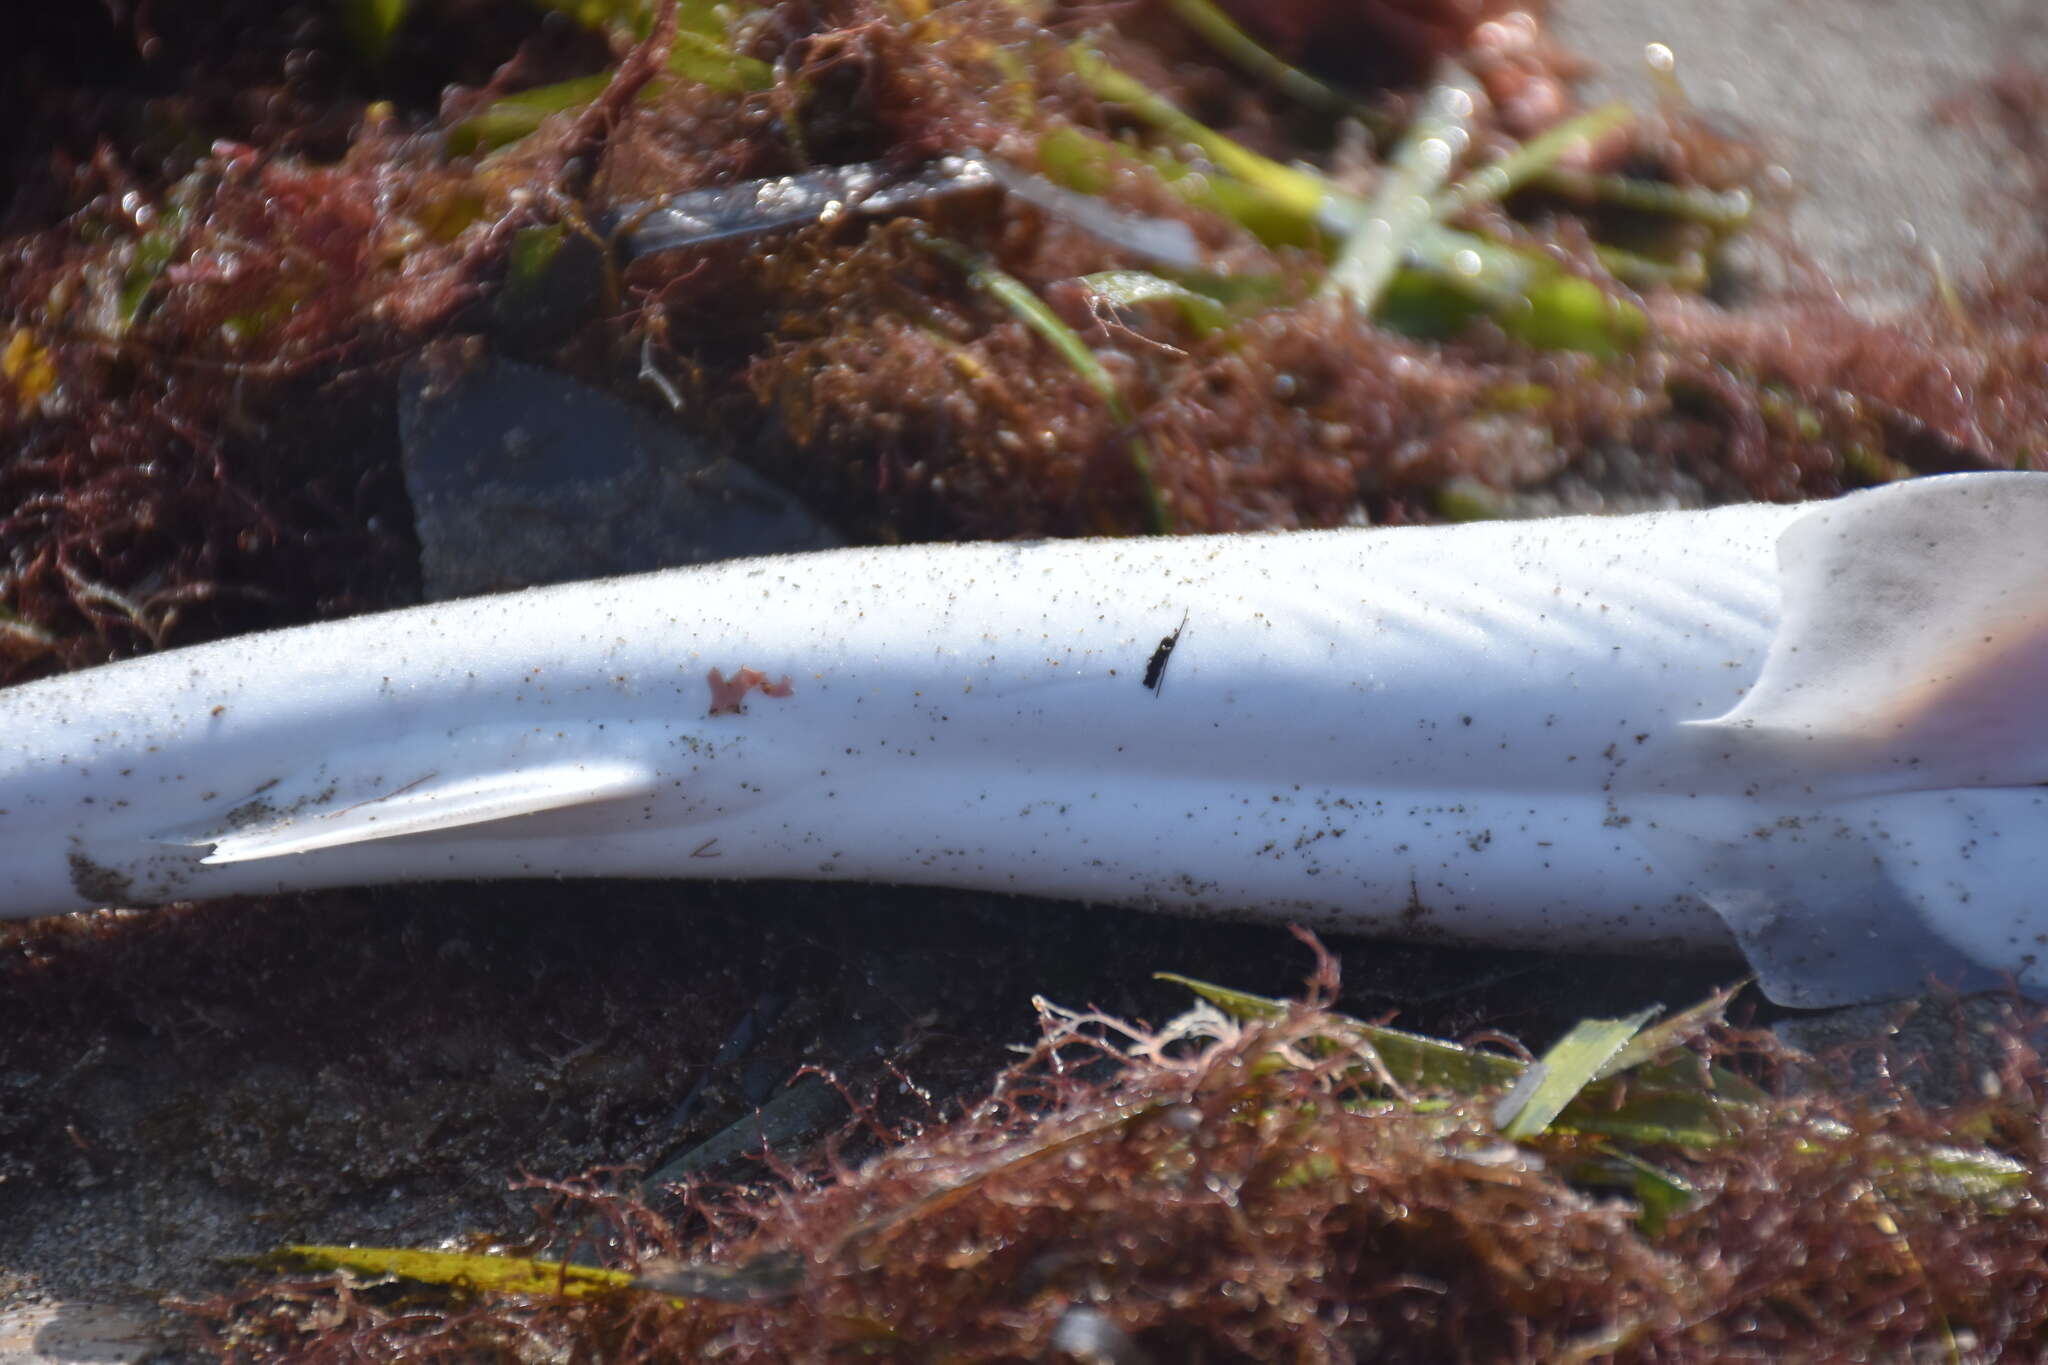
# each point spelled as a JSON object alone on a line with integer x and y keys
{"x": 1238, "y": 1192}
{"x": 206, "y": 335}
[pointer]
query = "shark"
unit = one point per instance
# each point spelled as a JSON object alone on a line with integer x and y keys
{"x": 1809, "y": 734}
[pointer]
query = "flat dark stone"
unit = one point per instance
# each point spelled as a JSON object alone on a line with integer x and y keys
{"x": 512, "y": 468}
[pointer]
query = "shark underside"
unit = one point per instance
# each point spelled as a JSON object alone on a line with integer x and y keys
{"x": 1810, "y": 733}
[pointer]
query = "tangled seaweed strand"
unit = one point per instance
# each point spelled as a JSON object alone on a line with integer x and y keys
{"x": 1241, "y": 1192}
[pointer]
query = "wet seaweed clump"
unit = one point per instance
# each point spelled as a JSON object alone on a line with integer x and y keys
{"x": 1266, "y": 1181}
{"x": 1174, "y": 267}
{"x": 215, "y": 234}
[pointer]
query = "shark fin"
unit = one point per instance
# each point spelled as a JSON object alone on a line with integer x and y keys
{"x": 425, "y": 805}
{"x": 1876, "y": 898}
{"x": 1913, "y": 636}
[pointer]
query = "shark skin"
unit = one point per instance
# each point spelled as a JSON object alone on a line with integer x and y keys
{"x": 1808, "y": 733}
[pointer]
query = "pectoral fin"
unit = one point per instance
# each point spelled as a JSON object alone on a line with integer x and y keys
{"x": 278, "y": 825}
{"x": 1913, "y": 636}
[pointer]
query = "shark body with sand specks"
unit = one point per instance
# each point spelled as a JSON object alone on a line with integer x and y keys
{"x": 1814, "y": 733}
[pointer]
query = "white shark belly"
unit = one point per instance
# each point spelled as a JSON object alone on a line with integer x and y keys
{"x": 1538, "y": 732}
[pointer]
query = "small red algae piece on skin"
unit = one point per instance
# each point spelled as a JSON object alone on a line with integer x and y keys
{"x": 729, "y": 695}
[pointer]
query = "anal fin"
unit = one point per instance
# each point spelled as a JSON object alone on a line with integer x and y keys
{"x": 425, "y": 805}
{"x": 1874, "y": 898}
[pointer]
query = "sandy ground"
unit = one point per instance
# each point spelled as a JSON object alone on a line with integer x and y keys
{"x": 1844, "y": 94}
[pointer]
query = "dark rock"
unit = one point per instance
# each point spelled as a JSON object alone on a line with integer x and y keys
{"x": 510, "y": 468}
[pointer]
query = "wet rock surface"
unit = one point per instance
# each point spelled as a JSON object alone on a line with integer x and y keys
{"x": 520, "y": 476}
